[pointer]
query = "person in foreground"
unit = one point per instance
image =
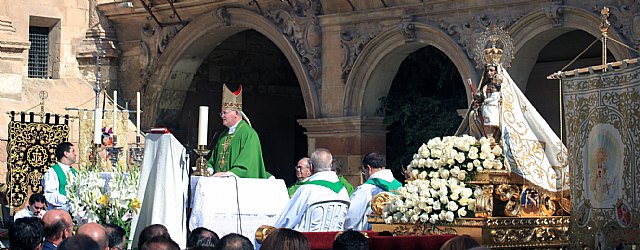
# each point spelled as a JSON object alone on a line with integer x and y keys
{"x": 237, "y": 151}
{"x": 351, "y": 240}
{"x": 323, "y": 185}
{"x": 234, "y": 241}
{"x": 460, "y": 242}
{"x": 57, "y": 227}
{"x": 79, "y": 242}
{"x": 160, "y": 243}
{"x": 285, "y": 239}
{"x": 202, "y": 237}
{"x": 55, "y": 179}
{"x": 26, "y": 234}
{"x": 379, "y": 179}
{"x": 116, "y": 235}
{"x": 96, "y": 232}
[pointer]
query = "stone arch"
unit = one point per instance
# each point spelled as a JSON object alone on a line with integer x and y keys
{"x": 375, "y": 68}
{"x": 194, "y": 43}
{"x": 533, "y": 32}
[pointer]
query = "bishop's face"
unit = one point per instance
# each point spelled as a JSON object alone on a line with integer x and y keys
{"x": 229, "y": 117}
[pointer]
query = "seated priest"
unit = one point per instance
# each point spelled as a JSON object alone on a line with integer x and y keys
{"x": 323, "y": 185}
{"x": 302, "y": 173}
{"x": 379, "y": 179}
{"x": 237, "y": 151}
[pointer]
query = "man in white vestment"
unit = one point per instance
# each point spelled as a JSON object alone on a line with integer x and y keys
{"x": 164, "y": 181}
{"x": 55, "y": 180}
{"x": 36, "y": 208}
{"x": 379, "y": 179}
{"x": 323, "y": 185}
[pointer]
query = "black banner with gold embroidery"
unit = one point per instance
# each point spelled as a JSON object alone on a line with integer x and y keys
{"x": 31, "y": 150}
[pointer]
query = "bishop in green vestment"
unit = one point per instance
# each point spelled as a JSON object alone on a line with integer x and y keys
{"x": 238, "y": 149}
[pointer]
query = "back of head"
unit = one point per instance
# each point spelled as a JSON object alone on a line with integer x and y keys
{"x": 285, "y": 239}
{"x": 351, "y": 240}
{"x": 321, "y": 160}
{"x": 152, "y": 231}
{"x": 56, "y": 222}
{"x": 79, "y": 242}
{"x": 116, "y": 235}
{"x": 234, "y": 241}
{"x": 26, "y": 233}
{"x": 160, "y": 243}
{"x": 375, "y": 160}
{"x": 202, "y": 237}
{"x": 460, "y": 242}
{"x": 96, "y": 232}
{"x": 61, "y": 148}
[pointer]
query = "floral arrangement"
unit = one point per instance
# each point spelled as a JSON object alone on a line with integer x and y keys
{"x": 437, "y": 191}
{"x": 91, "y": 201}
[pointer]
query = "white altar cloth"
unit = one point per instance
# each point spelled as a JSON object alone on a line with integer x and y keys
{"x": 215, "y": 204}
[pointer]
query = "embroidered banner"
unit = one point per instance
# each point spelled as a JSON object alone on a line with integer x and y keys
{"x": 31, "y": 150}
{"x": 602, "y": 115}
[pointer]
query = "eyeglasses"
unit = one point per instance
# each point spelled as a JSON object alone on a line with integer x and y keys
{"x": 225, "y": 112}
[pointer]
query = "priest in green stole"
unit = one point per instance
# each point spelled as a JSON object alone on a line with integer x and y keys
{"x": 379, "y": 179}
{"x": 55, "y": 179}
{"x": 238, "y": 149}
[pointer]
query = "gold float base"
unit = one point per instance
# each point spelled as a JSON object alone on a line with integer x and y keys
{"x": 494, "y": 232}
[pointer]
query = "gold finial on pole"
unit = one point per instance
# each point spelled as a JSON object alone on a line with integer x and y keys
{"x": 43, "y": 96}
{"x": 604, "y": 27}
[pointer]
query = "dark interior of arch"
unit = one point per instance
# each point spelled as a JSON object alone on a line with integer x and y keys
{"x": 422, "y": 103}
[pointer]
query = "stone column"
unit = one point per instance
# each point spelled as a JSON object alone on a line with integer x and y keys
{"x": 12, "y": 60}
{"x": 99, "y": 36}
{"x": 348, "y": 139}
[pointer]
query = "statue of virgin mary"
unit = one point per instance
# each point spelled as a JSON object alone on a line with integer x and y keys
{"x": 501, "y": 112}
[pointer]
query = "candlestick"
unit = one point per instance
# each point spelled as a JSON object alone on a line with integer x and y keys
{"x": 203, "y": 120}
{"x": 97, "y": 126}
{"x": 201, "y": 162}
{"x": 115, "y": 109}
{"x": 137, "y": 113}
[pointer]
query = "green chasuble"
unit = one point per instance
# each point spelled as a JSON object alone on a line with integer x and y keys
{"x": 292, "y": 190}
{"x": 239, "y": 153}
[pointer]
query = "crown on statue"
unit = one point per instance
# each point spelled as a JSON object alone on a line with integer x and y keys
{"x": 492, "y": 56}
{"x": 231, "y": 100}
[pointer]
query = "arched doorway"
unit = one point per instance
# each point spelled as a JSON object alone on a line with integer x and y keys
{"x": 271, "y": 97}
{"x": 422, "y": 103}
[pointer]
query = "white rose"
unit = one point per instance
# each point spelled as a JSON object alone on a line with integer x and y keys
{"x": 462, "y": 212}
{"x": 424, "y": 217}
{"x": 416, "y": 156}
{"x": 414, "y": 163}
{"x": 454, "y": 196}
{"x": 487, "y": 164}
{"x": 497, "y": 151}
{"x": 429, "y": 163}
{"x": 486, "y": 148}
{"x": 444, "y": 200}
{"x": 466, "y": 192}
{"x": 433, "y": 219}
{"x": 436, "y": 206}
{"x": 491, "y": 157}
{"x": 473, "y": 150}
{"x": 430, "y": 201}
{"x": 424, "y": 152}
{"x": 421, "y": 163}
{"x": 484, "y": 141}
{"x": 404, "y": 219}
{"x": 460, "y": 157}
{"x": 388, "y": 220}
{"x": 462, "y": 175}
{"x": 463, "y": 201}
{"x": 449, "y": 216}
{"x": 414, "y": 173}
{"x": 422, "y": 175}
{"x": 443, "y": 192}
{"x": 497, "y": 164}
{"x": 470, "y": 166}
{"x": 414, "y": 218}
{"x": 444, "y": 174}
{"x": 452, "y": 206}
{"x": 477, "y": 163}
{"x": 428, "y": 209}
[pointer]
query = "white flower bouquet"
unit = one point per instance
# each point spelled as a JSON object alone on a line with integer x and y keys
{"x": 437, "y": 191}
{"x": 90, "y": 202}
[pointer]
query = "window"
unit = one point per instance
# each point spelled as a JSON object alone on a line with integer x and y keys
{"x": 39, "y": 52}
{"x": 44, "y": 53}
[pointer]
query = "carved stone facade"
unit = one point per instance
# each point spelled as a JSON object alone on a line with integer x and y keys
{"x": 344, "y": 53}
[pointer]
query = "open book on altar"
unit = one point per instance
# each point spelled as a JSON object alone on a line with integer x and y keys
{"x": 236, "y": 205}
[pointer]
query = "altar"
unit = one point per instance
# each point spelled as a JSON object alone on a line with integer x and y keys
{"x": 236, "y": 205}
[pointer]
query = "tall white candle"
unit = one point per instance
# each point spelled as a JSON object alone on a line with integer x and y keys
{"x": 115, "y": 110}
{"x": 203, "y": 120}
{"x": 137, "y": 113}
{"x": 97, "y": 126}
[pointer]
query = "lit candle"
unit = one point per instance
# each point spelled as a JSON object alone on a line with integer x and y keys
{"x": 203, "y": 120}
{"x": 97, "y": 126}
{"x": 137, "y": 113}
{"x": 115, "y": 109}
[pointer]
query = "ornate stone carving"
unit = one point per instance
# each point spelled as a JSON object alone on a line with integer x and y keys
{"x": 466, "y": 32}
{"x": 421, "y": 229}
{"x": 223, "y": 15}
{"x": 166, "y": 34}
{"x": 352, "y": 41}
{"x": 301, "y": 26}
{"x": 555, "y": 12}
{"x": 511, "y": 194}
{"x": 408, "y": 28}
